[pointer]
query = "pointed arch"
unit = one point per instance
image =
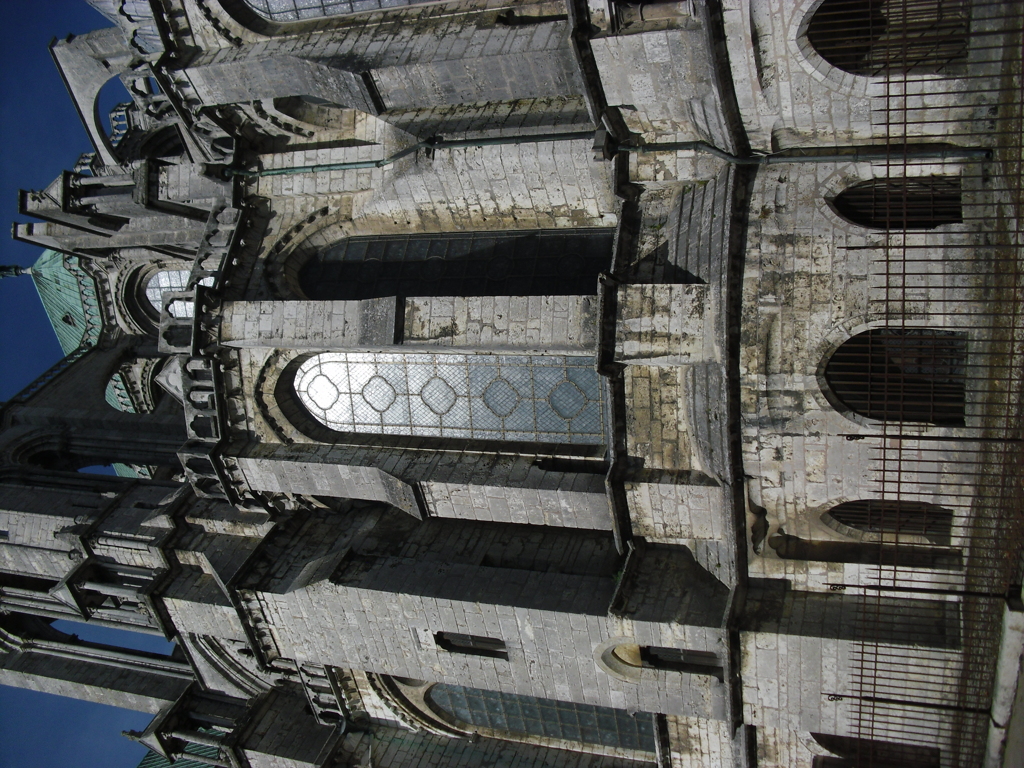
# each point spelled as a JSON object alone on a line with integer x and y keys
{"x": 902, "y": 203}
{"x": 916, "y": 518}
{"x": 878, "y": 38}
{"x": 901, "y": 374}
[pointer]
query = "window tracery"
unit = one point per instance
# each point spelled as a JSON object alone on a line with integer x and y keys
{"x": 302, "y": 10}
{"x": 549, "y": 398}
{"x": 170, "y": 281}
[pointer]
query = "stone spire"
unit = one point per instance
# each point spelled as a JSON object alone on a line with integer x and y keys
{"x": 13, "y": 270}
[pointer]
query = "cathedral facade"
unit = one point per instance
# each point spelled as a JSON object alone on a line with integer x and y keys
{"x": 571, "y": 383}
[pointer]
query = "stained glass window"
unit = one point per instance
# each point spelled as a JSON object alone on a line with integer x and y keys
{"x": 530, "y": 716}
{"x": 299, "y": 10}
{"x": 546, "y": 398}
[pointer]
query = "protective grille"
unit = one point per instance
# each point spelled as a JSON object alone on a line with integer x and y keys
{"x": 922, "y": 203}
{"x": 941, "y": 382}
{"x": 902, "y": 374}
{"x": 891, "y": 37}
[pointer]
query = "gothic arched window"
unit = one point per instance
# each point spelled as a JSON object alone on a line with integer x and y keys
{"x": 508, "y": 713}
{"x": 888, "y": 37}
{"x": 537, "y": 398}
{"x": 903, "y": 203}
{"x": 892, "y": 516}
{"x": 171, "y": 280}
{"x": 301, "y": 10}
{"x": 901, "y": 374}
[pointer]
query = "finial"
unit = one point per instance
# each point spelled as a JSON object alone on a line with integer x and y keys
{"x": 13, "y": 270}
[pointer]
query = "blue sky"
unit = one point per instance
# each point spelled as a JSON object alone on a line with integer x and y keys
{"x": 40, "y": 135}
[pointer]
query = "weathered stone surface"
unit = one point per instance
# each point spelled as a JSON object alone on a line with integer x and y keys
{"x": 629, "y": 503}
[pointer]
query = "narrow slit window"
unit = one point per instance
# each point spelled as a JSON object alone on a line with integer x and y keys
{"x": 456, "y": 642}
{"x": 679, "y": 660}
{"x": 895, "y": 374}
{"x": 893, "y": 204}
{"x": 878, "y": 37}
{"x": 669, "y": 659}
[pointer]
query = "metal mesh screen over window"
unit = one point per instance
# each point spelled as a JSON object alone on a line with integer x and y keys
{"x": 299, "y": 10}
{"x": 544, "y": 717}
{"x": 501, "y": 397}
{"x": 462, "y": 264}
{"x": 883, "y": 37}
{"x": 891, "y": 516}
{"x": 902, "y": 374}
{"x": 923, "y": 203}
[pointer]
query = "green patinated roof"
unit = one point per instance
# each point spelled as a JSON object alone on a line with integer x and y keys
{"x": 68, "y": 294}
{"x": 153, "y": 760}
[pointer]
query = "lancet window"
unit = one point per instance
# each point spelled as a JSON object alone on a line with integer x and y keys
{"x": 902, "y": 374}
{"x": 891, "y": 37}
{"x": 896, "y": 516}
{"x": 903, "y": 203}
{"x": 537, "y": 398}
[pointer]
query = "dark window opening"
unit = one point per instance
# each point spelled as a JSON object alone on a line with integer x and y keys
{"x": 27, "y": 583}
{"x": 547, "y": 718}
{"x": 883, "y": 37}
{"x": 455, "y": 642}
{"x": 679, "y": 660}
{"x": 888, "y": 204}
{"x": 912, "y": 375}
{"x": 888, "y": 516}
{"x": 669, "y": 659}
{"x": 853, "y": 752}
{"x": 572, "y": 466}
{"x": 539, "y": 263}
